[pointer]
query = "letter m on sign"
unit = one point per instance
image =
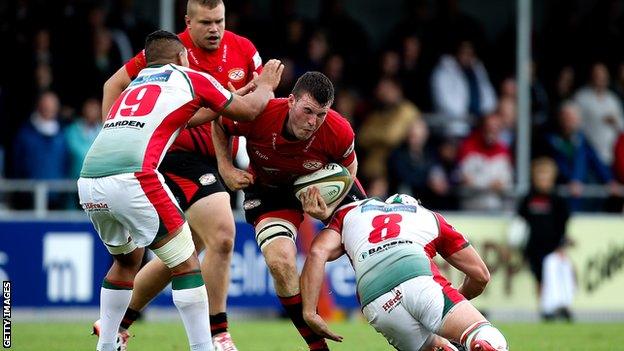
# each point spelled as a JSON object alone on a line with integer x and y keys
{"x": 68, "y": 262}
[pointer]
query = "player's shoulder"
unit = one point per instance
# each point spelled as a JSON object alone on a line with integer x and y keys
{"x": 238, "y": 40}
{"x": 353, "y": 205}
{"x": 336, "y": 124}
{"x": 193, "y": 74}
{"x": 271, "y": 118}
{"x": 189, "y": 72}
{"x": 341, "y": 212}
{"x": 185, "y": 38}
{"x": 335, "y": 118}
{"x": 198, "y": 78}
{"x": 275, "y": 108}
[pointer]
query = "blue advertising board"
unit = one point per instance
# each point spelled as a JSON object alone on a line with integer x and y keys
{"x": 55, "y": 264}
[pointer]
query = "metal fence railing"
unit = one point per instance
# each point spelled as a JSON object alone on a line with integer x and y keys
{"x": 42, "y": 189}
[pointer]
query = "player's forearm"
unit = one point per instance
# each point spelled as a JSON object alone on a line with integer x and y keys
{"x": 257, "y": 101}
{"x": 468, "y": 261}
{"x": 472, "y": 288}
{"x": 113, "y": 87}
{"x": 203, "y": 115}
{"x": 220, "y": 141}
{"x": 110, "y": 94}
{"x": 311, "y": 280}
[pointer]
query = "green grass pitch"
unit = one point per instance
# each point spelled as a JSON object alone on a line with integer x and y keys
{"x": 280, "y": 335}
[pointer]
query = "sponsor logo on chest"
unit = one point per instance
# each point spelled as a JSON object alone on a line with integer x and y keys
{"x": 261, "y": 155}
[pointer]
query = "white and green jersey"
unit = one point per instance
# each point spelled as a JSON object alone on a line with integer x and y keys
{"x": 147, "y": 117}
{"x": 385, "y": 243}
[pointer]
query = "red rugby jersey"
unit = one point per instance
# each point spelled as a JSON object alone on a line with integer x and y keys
{"x": 276, "y": 161}
{"x": 234, "y": 61}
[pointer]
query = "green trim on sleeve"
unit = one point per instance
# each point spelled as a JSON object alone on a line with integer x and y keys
{"x": 227, "y": 103}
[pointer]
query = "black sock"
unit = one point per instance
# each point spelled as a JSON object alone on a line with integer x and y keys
{"x": 294, "y": 309}
{"x": 129, "y": 318}
{"x": 218, "y": 323}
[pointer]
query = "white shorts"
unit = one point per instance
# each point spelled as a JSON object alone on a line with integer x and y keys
{"x": 410, "y": 313}
{"x": 130, "y": 207}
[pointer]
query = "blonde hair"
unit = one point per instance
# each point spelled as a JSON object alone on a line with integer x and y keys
{"x": 211, "y": 4}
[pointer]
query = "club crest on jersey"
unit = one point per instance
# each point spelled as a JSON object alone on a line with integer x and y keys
{"x": 207, "y": 179}
{"x": 236, "y": 74}
{"x": 312, "y": 165}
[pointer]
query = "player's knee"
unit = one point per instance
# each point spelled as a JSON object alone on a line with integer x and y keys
{"x": 128, "y": 258}
{"x": 224, "y": 238}
{"x": 224, "y": 245}
{"x": 177, "y": 250}
{"x": 485, "y": 332}
{"x": 129, "y": 266}
{"x": 218, "y": 237}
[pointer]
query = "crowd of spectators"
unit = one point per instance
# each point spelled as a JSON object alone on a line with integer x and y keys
{"x": 433, "y": 104}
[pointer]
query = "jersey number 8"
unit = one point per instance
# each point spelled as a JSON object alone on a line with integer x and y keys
{"x": 385, "y": 227}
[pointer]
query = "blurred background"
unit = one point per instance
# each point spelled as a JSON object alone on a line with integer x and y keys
{"x": 450, "y": 102}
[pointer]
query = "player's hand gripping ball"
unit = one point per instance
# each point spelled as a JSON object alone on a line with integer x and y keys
{"x": 332, "y": 181}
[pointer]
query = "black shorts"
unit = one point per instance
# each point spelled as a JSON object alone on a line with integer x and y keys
{"x": 280, "y": 202}
{"x": 536, "y": 264}
{"x": 261, "y": 202}
{"x": 190, "y": 176}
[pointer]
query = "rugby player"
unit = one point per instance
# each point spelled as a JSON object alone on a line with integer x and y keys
{"x": 402, "y": 294}
{"x": 125, "y": 196}
{"x": 189, "y": 167}
{"x": 293, "y": 136}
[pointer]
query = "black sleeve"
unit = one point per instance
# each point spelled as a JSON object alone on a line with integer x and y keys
{"x": 523, "y": 210}
{"x": 561, "y": 218}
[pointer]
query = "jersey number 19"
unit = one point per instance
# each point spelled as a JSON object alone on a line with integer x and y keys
{"x": 137, "y": 102}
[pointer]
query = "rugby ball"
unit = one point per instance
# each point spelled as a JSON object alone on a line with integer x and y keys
{"x": 332, "y": 180}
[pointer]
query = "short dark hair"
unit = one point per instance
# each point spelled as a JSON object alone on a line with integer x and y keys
{"x": 317, "y": 85}
{"x": 211, "y": 4}
{"x": 162, "y": 47}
